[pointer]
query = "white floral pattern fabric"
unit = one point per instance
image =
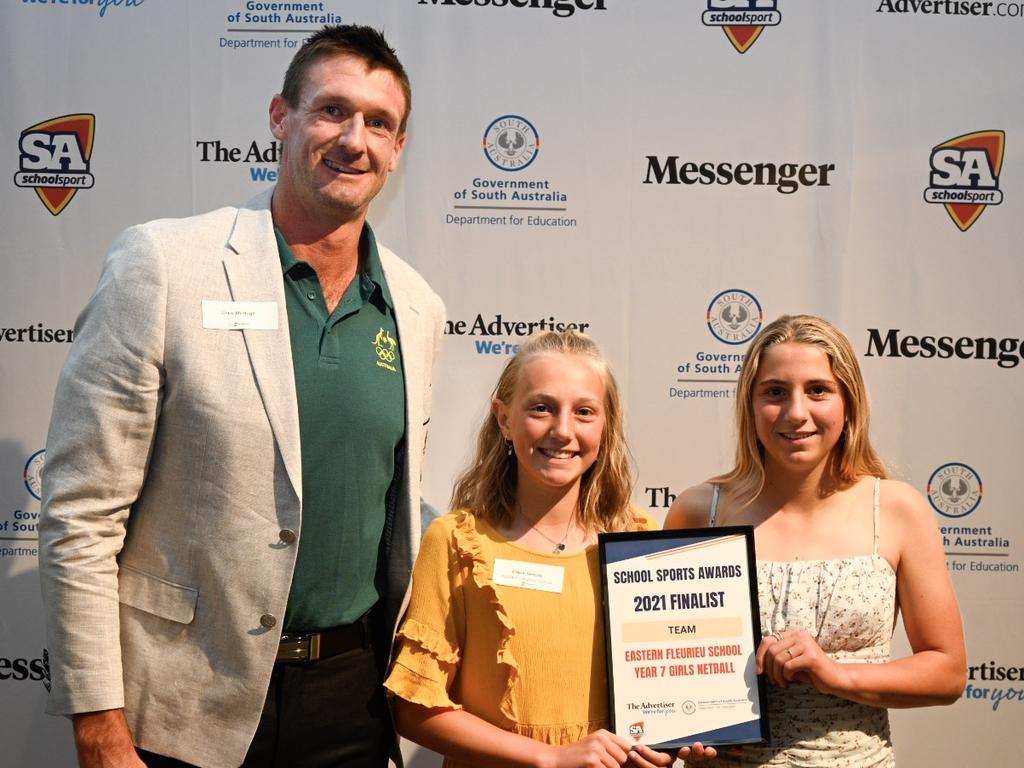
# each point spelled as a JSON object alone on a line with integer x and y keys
{"x": 849, "y": 606}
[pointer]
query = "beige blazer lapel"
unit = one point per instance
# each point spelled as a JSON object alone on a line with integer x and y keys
{"x": 417, "y": 357}
{"x": 416, "y": 335}
{"x": 409, "y": 322}
{"x": 253, "y": 269}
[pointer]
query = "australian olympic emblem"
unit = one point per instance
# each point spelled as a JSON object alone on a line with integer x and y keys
{"x": 954, "y": 490}
{"x": 386, "y": 347}
{"x": 734, "y": 316}
{"x": 511, "y": 143}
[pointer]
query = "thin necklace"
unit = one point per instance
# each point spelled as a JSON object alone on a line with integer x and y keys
{"x": 559, "y": 545}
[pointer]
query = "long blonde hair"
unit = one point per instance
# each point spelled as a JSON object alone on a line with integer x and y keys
{"x": 852, "y": 457}
{"x": 488, "y": 485}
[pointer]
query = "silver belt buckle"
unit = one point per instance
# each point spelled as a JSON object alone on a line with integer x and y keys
{"x": 299, "y": 647}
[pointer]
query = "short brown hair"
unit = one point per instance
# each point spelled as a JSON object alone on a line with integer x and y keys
{"x": 363, "y": 42}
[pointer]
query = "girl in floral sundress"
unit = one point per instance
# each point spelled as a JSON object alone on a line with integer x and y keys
{"x": 840, "y": 549}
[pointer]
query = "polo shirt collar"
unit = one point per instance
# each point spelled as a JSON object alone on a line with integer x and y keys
{"x": 371, "y": 273}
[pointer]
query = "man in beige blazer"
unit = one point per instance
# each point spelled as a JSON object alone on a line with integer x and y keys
{"x": 211, "y": 416}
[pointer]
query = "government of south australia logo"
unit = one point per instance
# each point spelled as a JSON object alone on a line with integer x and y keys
{"x": 33, "y": 474}
{"x": 734, "y": 316}
{"x": 387, "y": 349}
{"x": 54, "y": 159}
{"x": 743, "y": 21}
{"x": 511, "y": 143}
{"x": 636, "y": 730}
{"x": 954, "y": 490}
{"x": 965, "y": 175}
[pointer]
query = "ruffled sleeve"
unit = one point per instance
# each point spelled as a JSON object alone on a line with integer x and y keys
{"x": 471, "y": 557}
{"x": 428, "y": 642}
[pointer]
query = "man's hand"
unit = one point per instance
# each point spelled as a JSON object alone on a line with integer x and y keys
{"x": 104, "y": 741}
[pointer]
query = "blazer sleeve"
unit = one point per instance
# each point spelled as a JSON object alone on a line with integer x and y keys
{"x": 101, "y": 434}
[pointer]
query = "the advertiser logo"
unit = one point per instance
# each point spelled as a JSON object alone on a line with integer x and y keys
{"x": 511, "y": 144}
{"x": 994, "y": 683}
{"x": 786, "y": 178}
{"x": 651, "y": 707}
{"x": 260, "y": 159}
{"x": 965, "y": 175}
{"x": 498, "y": 334}
{"x": 54, "y": 159}
{"x": 36, "y": 334}
{"x": 733, "y": 317}
{"x": 743, "y": 21}
{"x": 563, "y": 9}
{"x": 933, "y": 8}
{"x": 1007, "y": 352}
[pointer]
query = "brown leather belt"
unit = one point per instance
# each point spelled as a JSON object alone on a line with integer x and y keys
{"x": 312, "y": 646}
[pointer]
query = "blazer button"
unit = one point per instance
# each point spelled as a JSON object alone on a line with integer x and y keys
{"x": 287, "y": 535}
{"x": 268, "y": 621}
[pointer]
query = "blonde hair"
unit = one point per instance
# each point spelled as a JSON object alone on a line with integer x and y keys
{"x": 488, "y": 485}
{"x": 852, "y": 457}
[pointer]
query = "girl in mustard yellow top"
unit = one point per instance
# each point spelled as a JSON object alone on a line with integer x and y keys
{"x": 500, "y": 658}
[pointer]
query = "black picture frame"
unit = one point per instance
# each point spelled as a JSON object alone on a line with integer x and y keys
{"x": 660, "y": 565}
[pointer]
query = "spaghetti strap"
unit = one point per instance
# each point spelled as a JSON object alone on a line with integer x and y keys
{"x": 877, "y": 516}
{"x": 714, "y": 506}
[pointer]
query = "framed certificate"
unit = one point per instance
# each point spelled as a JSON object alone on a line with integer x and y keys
{"x": 682, "y": 626}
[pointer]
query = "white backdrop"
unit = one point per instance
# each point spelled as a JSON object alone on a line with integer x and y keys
{"x": 845, "y": 107}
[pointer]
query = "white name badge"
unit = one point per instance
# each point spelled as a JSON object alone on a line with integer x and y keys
{"x": 517, "y": 573}
{"x": 240, "y": 315}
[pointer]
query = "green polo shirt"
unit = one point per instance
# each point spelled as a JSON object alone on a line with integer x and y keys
{"x": 351, "y": 395}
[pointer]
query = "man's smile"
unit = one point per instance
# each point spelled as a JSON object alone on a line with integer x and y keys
{"x": 342, "y": 168}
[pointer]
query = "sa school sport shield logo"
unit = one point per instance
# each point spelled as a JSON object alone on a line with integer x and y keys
{"x": 743, "y": 21}
{"x": 965, "y": 175}
{"x": 54, "y": 159}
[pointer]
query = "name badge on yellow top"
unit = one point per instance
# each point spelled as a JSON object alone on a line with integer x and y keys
{"x": 240, "y": 315}
{"x": 518, "y": 573}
